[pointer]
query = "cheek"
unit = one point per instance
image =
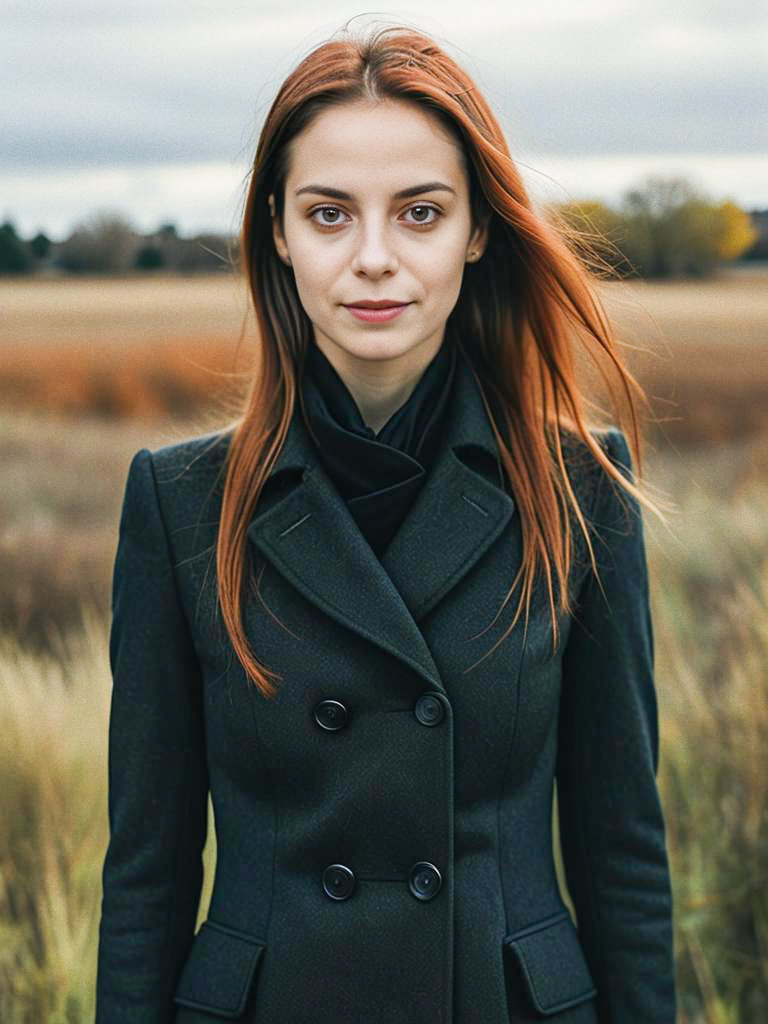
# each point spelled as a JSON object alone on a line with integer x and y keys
{"x": 441, "y": 279}
{"x": 312, "y": 260}
{"x": 315, "y": 275}
{"x": 441, "y": 263}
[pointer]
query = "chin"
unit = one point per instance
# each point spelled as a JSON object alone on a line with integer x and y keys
{"x": 371, "y": 344}
{"x": 376, "y": 352}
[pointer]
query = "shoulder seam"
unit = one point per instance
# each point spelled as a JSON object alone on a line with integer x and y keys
{"x": 609, "y": 434}
{"x": 169, "y": 553}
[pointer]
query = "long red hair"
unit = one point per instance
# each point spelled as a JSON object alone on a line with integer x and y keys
{"x": 528, "y": 308}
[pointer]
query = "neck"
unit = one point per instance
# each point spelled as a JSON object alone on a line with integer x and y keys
{"x": 379, "y": 387}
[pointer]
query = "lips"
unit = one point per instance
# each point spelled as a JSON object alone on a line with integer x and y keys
{"x": 376, "y": 304}
{"x": 378, "y": 313}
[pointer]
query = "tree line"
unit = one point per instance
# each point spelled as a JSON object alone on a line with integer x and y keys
{"x": 662, "y": 228}
{"x": 107, "y": 243}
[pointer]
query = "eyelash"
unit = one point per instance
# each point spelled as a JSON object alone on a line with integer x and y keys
{"x": 416, "y": 206}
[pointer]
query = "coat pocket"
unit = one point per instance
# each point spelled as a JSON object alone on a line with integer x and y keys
{"x": 552, "y": 963}
{"x": 219, "y": 971}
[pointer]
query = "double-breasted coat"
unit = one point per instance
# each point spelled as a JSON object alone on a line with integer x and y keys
{"x": 383, "y": 826}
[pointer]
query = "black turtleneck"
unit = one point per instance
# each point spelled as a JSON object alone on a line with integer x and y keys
{"x": 377, "y": 474}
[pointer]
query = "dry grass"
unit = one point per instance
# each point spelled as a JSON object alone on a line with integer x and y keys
{"x": 54, "y": 711}
{"x": 699, "y": 350}
{"x": 122, "y": 347}
{"x": 63, "y": 481}
{"x": 104, "y": 311}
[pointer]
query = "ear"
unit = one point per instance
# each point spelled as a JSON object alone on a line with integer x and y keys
{"x": 277, "y": 234}
{"x": 479, "y": 238}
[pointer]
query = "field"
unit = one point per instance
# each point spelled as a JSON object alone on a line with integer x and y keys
{"x": 91, "y": 370}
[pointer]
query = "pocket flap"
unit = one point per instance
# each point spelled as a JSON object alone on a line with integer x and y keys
{"x": 552, "y": 963}
{"x": 219, "y": 970}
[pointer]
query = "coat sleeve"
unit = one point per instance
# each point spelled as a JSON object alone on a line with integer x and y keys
{"x": 612, "y": 830}
{"x": 157, "y": 773}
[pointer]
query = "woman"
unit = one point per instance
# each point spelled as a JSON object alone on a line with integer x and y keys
{"x": 380, "y": 727}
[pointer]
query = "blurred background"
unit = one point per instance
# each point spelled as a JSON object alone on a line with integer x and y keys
{"x": 127, "y": 132}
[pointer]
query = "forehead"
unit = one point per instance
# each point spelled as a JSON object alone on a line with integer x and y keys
{"x": 386, "y": 146}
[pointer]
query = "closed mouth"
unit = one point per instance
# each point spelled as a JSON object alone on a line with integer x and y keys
{"x": 375, "y": 305}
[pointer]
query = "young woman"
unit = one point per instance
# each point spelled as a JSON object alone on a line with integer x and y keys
{"x": 312, "y": 614}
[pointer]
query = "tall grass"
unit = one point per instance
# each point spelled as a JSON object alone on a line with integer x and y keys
{"x": 711, "y": 623}
{"x": 54, "y": 711}
{"x": 52, "y": 756}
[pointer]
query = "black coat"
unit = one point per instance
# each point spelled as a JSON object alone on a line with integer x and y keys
{"x": 384, "y": 845}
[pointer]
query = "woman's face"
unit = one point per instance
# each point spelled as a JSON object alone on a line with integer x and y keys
{"x": 372, "y": 243}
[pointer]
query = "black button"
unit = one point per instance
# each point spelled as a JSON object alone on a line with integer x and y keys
{"x": 331, "y": 714}
{"x": 429, "y": 709}
{"x": 338, "y": 881}
{"x": 425, "y": 880}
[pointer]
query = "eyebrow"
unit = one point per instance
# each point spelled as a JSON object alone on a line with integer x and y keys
{"x": 405, "y": 193}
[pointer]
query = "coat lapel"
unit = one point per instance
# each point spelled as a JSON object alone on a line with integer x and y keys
{"x": 311, "y": 538}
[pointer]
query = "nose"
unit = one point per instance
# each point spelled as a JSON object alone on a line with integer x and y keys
{"x": 375, "y": 251}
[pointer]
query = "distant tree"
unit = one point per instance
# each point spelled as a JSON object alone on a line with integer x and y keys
{"x": 149, "y": 257}
{"x": 104, "y": 243}
{"x": 40, "y": 246}
{"x": 205, "y": 252}
{"x": 652, "y": 212}
{"x": 167, "y": 243}
{"x": 758, "y": 250}
{"x": 736, "y": 230}
{"x": 14, "y": 255}
{"x": 673, "y": 230}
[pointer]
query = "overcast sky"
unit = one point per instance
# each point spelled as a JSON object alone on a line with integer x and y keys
{"x": 152, "y": 108}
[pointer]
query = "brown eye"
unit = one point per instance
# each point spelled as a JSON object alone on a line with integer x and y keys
{"x": 421, "y": 209}
{"x": 334, "y": 210}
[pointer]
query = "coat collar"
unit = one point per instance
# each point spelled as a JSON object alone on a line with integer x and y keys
{"x": 309, "y": 535}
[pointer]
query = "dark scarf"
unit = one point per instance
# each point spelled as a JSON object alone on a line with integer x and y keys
{"x": 377, "y": 474}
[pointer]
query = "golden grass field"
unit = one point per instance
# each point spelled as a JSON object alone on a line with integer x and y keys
{"x": 93, "y": 369}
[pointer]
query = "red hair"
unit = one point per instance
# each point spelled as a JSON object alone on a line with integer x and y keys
{"x": 529, "y": 309}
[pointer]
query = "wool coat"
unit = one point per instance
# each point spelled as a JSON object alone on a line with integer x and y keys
{"x": 384, "y": 825}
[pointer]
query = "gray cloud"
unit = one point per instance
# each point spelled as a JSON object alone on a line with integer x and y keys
{"x": 97, "y": 84}
{"x": 93, "y": 84}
